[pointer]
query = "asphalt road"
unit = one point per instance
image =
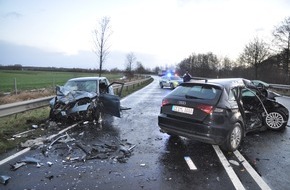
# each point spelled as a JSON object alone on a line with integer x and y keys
{"x": 99, "y": 159}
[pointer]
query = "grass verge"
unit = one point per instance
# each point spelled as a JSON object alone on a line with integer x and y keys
{"x": 18, "y": 123}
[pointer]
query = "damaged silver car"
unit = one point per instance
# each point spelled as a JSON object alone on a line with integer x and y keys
{"x": 85, "y": 98}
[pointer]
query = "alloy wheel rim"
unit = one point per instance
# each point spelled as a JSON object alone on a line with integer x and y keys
{"x": 274, "y": 120}
{"x": 236, "y": 137}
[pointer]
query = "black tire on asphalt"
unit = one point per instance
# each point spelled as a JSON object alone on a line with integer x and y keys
{"x": 51, "y": 115}
{"x": 171, "y": 85}
{"x": 276, "y": 120}
{"x": 172, "y": 135}
{"x": 234, "y": 138}
{"x": 161, "y": 85}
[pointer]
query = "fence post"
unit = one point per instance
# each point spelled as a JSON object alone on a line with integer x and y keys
{"x": 15, "y": 86}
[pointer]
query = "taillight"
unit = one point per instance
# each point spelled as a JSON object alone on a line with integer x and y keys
{"x": 206, "y": 108}
{"x": 164, "y": 102}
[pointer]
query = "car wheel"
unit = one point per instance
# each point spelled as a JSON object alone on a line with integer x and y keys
{"x": 234, "y": 138}
{"x": 171, "y": 85}
{"x": 161, "y": 85}
{"x": 276, "y": 120}
{"x": 52, "y": 115}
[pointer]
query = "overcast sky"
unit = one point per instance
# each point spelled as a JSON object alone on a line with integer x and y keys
{"x": 58, "y": 33}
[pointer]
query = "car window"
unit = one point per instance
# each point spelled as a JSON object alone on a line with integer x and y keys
{"x": 198, "y": 91}
{"x": 248, "y": 93}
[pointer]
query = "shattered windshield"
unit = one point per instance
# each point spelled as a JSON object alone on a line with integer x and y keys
{"x": 88, "y": 86}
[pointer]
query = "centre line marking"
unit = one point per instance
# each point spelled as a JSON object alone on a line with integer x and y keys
{"x": 231, "y": 173}
{"x": 251, "y": 171}
{"x": 190, "y": 163}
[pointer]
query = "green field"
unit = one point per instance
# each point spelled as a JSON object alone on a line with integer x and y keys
{"x": 28, "y": 80}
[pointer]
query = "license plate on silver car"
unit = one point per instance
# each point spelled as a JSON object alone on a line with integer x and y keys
{"x": 182, "y": 109}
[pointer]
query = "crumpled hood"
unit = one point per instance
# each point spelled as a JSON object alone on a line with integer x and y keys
{"x": 65, "y": 95}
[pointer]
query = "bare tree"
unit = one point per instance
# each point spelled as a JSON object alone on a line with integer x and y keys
{"x": 101, "y": 37}
{"x": 130, "y": 59}
{"x": 254, "y": 53}
{"x": 282, "y": 41}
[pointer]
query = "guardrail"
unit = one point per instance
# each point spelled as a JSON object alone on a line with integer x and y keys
{"x": 18, "y": 107}
{"x": 280, "y": 86}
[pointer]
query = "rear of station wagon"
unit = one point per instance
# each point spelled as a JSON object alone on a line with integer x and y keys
{"x": 201, "y": 111}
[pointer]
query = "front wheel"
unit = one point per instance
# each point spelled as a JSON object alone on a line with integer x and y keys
{"x": 276, "y": 120}
{"x": 234, "y": 138}
{"x": 161, "y": 85}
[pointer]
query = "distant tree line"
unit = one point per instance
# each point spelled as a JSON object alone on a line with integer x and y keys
{"x": 138, "y": 70}
{"x": 259, "y": 60}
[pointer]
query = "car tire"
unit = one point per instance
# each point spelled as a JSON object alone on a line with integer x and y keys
{"x": 171, "y": 85}
{"x": 161, "y": 85}
{"x": 276, "y": 120}
{"x": 234, "y": 138}
{"x": 51, "y": 115}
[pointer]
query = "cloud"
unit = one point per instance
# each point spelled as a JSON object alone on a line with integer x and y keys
{"x": 13, "y": 15}
{"x": 12, "y": 54}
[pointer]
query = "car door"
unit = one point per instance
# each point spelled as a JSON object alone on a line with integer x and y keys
{"x": 111, "y": 104}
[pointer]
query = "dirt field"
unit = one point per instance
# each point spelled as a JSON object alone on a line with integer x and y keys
{"x": 25, "y": 95}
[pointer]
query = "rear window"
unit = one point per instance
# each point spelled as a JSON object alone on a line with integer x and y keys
{"x": 198, "y": 91}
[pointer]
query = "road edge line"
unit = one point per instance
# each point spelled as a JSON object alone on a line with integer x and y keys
{"x": 231, "y": 173}
{"x": 14, "y": 155}
{"x": 258, "y": 179}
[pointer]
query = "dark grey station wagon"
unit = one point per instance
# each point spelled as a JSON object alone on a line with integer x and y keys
{"x": 220, "y": 111}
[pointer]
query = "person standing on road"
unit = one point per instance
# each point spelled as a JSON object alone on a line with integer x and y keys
{"x": 186, "y": 77}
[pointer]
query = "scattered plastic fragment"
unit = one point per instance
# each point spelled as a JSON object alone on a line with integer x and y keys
{"x": 30, "y": 160}
{"x": 34, "y": 126}
{"x": 57, "y": 139}
{"x": 23, "y": 134}
{"x": 234, "y": 162}
{"x": 259, "y": 159}
{"x": 33, "y": 142}
{"x": 17, "y": 165}
{"x": 50, "y": 177}
{"x": 217, "y": 178}
{"x": 4, "y": 179}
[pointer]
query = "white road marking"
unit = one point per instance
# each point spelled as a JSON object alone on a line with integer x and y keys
{"x": 251, "y": 171}
{"x": 14, "y": 155}
{"x": 190, "y": 163}
{"x": 231, "y": 173}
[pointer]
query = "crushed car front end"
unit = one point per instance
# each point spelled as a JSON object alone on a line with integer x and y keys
{"x": 71, "y": 105}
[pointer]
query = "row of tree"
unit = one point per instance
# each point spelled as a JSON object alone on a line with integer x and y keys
{"x": 259, "y": 60}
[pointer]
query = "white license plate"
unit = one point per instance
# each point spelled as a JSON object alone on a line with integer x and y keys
{"x": 182, "y": 109}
